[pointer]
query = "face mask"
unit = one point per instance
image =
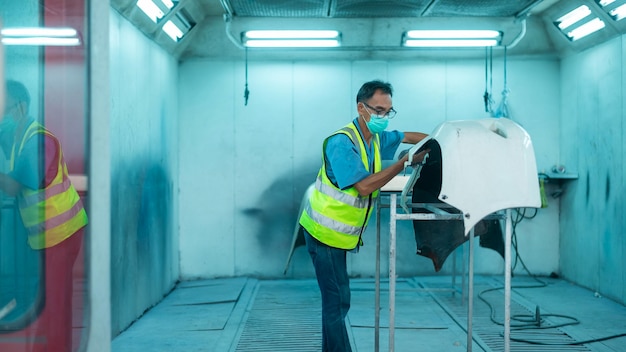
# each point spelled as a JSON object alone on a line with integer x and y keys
{"x": 7, "y": 126}
{"x": 377, "y": 124}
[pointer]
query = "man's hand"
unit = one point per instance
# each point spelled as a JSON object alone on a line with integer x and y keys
{"x": 9, "y": 185}
{"x": 419, "y": 157}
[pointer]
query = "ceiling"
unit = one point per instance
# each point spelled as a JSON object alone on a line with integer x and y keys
{"x": 371, "y": 9}
{"x": 371, "y": 29}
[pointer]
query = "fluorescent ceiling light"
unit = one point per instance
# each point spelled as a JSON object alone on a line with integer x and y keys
{"x": 168, "y": 3}
{"x": 572, "y": 17}
{"x": 39, "y": 31}
{"x": 172, "y": 31}
{"x": 452, "y": 34}
{"x": 604, "y": 3}
{"x": 618, "y": 13}
{"x": 40, "y": 36}
{"x": 41, "y": 41}
{"x": 178, "y": 25}
{"x": 150, "y": 9}
{"x": 586, "y": 29}
{"x": 292, "y": 34}
{"x": 614, "y": 8}
{"x": 450, "y": 42}
{"x": 451, "y": 38}
{"x": 292, "y": 43}
{"x": 291, "y": 38}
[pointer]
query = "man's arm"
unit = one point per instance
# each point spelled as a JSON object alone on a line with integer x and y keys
{"x": 413, "y": 137}
{"x": 368, "y": 185}
{"x": 9, "y": 185}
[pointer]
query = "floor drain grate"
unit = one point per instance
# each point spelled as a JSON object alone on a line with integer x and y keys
{"x": 285, "y": 316}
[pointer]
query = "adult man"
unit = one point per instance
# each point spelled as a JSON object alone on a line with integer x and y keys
{"x": 339, "y": 207}
{"x": 49, "y": 206}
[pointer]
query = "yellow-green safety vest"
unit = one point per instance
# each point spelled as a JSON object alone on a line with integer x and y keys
{"x": 338, "y": 217}
{"x": 53, "y": 214}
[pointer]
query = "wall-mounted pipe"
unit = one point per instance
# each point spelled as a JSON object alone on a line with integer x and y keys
{"x": 519, "y": 37}
{"x": 228, "y": 20}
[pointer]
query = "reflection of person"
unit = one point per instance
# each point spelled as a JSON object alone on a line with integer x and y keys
{"x": 340, "y": 206}
{"x": 50, "y": 208}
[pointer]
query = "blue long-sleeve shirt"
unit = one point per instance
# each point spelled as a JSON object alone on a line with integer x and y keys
{"x": 344, "y": 166}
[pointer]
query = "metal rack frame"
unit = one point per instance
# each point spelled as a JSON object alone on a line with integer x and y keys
{"x": 437, "y": 213}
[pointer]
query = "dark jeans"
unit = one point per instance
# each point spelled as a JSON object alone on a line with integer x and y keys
{"x": 332, "y": 278}
{"x": 55, "y": 322}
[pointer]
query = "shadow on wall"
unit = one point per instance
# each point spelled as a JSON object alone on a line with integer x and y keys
{"x": 276, "y": 212}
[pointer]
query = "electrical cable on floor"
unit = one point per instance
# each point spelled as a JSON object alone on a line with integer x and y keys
{"x": 533, "y": 321}
{"x": 570, "y": 343}
{"x": 520, "y": 214}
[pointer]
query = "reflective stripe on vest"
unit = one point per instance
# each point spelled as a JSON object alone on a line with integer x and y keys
{"x": 52, "y": 214}
{"x": 338, "y": 217}
{"x": 343, "y": 197}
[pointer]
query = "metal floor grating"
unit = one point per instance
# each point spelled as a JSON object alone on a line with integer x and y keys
{"x": 489, "y": 335}
{"x": 285, "y": 316}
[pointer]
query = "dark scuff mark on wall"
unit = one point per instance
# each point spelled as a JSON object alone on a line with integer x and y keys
{"x": 607, "y": 188}
{"x": 587, "y": 190}
{"x": 153, "y": 235}
{"x": 140, "y": 234}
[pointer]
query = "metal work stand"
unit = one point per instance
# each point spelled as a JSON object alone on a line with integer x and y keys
{"x": 437, "y": 213}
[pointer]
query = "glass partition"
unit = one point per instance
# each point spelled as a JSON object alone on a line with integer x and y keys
{"x": 43, "y": 149}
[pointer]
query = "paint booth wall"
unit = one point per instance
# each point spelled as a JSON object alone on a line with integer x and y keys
{"x": 244, "y": 168}
{"x": 593, "y": 245}
{"x": 143, "y": 140}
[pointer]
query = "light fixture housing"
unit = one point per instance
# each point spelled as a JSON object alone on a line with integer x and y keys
{"x": 291, "y": 38}
{"x": 618, "y": 13}
{"x": 573, "y": 17}
{"x": 179, "y": 25}
{"x": 579, "y": 23}
{"x": 616, "y": 9}
{"x": 172, "y": 31}
{"x": 451, "y": 38}
{"x": 582, "y": 31}
{"x": 156, "y": 9}
{"x": 176, "y": 24}
{"x": 40, "y": 36}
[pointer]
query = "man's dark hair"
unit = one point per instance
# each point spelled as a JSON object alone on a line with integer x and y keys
{"x": 18, "y": 92}
{"x": 369, "y": 88}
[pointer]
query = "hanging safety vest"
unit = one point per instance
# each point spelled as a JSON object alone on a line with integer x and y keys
{"x": 55, "y": 213}
{"x": 338, "y": 217}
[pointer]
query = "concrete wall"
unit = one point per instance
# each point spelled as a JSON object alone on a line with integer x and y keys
{"x": 144, "y": 139}
{"x": 244, "y": 168}
{"x": 592, "y": 142}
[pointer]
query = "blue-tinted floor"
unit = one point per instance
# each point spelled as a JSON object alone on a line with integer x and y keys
{"x": 245, "y": 314}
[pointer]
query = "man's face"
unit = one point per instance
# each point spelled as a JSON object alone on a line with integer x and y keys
{"x": 12, "y": 109}
{"x": 380, "y": 104}
{"x": 13, "y": 112}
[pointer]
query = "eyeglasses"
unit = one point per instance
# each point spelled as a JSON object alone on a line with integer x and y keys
{"x": 386, "y": 114}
